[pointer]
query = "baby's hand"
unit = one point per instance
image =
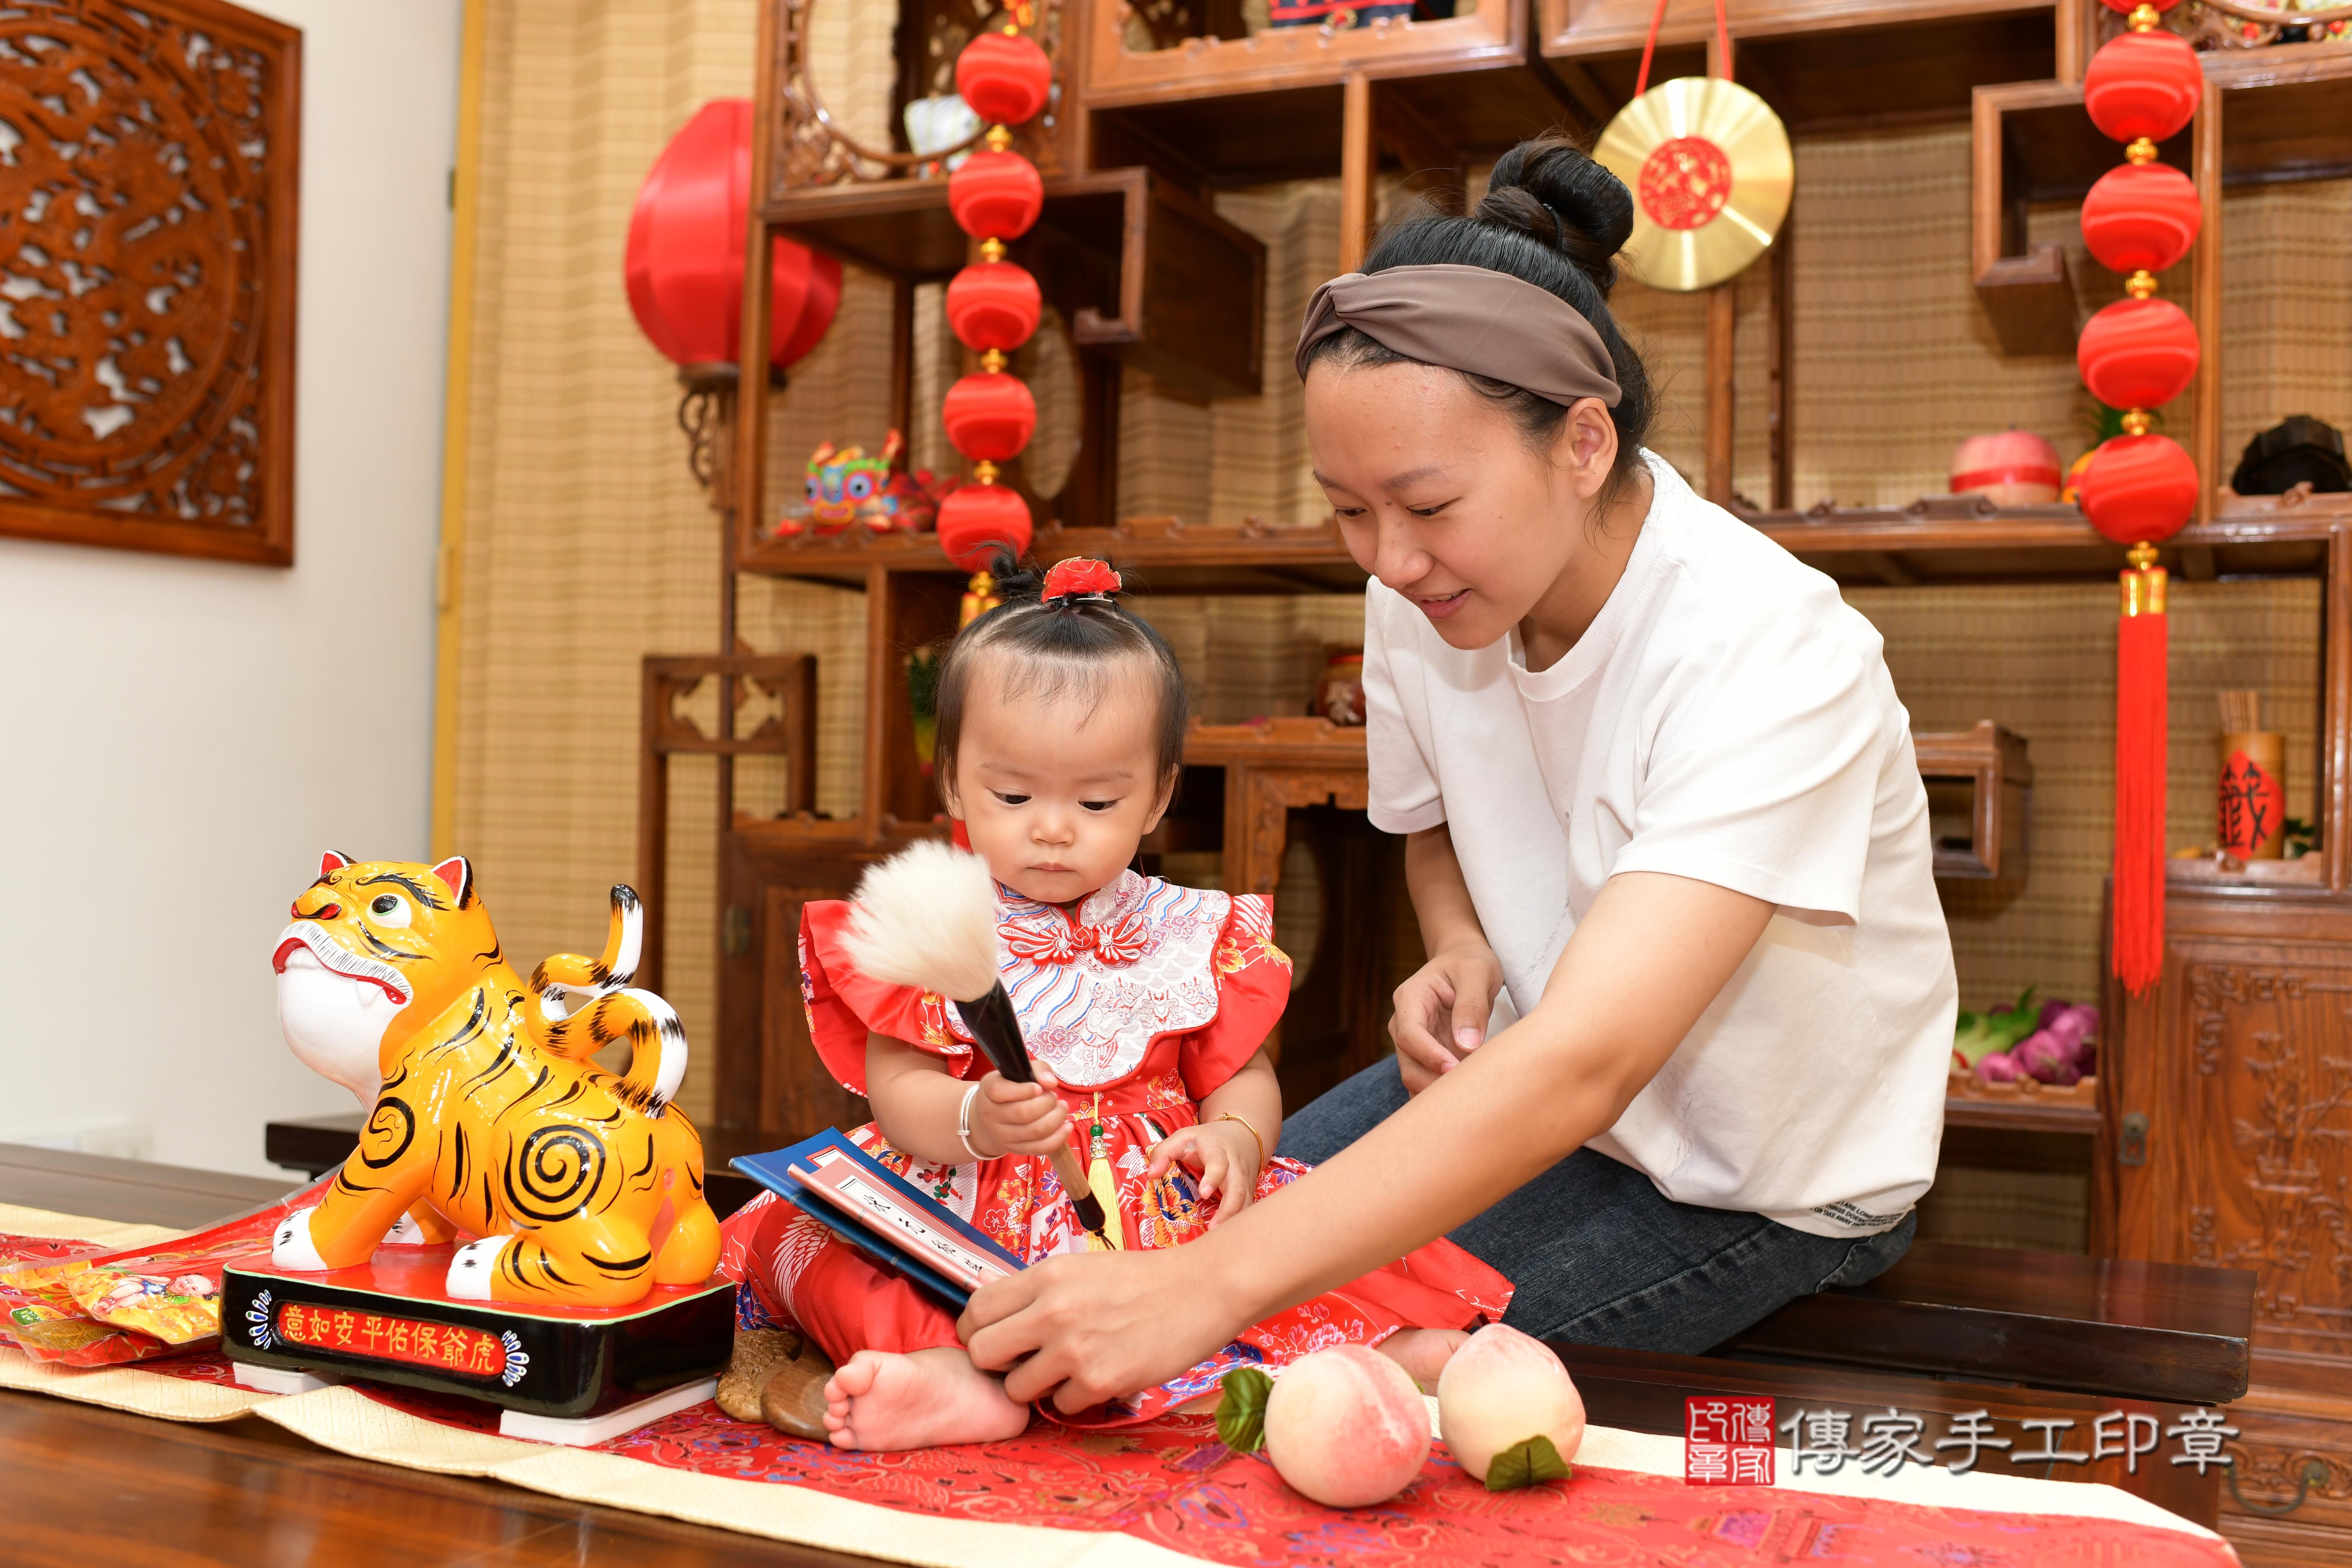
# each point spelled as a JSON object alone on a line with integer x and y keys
{"x": 1223, "y": 1158}
{"x": 1010, "y": 1118}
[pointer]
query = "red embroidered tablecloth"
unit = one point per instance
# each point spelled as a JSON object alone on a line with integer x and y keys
{"x": 1171, "y": 1482}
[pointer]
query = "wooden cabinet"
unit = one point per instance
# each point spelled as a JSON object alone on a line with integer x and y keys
{"x": 2230, "y": 1101}
{"x": 772, "y": 1087}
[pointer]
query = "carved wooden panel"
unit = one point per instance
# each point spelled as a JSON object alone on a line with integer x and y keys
{"x": 2243, "y": 1067}
{"x": 148, "y": 161}
{"x": 2270, "y": 1088}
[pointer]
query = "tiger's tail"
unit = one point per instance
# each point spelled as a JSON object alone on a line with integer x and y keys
{"x": 656, "y": 1044}
{"x": 566, "y": 984}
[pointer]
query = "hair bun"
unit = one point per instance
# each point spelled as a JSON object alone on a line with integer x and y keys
{"x": 1549, "y": 175}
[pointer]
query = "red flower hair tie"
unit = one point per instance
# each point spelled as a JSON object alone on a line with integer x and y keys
{"x": 1079, "y": 577}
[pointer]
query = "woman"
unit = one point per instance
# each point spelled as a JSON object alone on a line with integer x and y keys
{"x": 1677, "y": 1055}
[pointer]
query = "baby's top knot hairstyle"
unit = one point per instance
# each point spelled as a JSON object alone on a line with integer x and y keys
{"x": 1061, "y": 632}
{"x": 1078, "y": 578}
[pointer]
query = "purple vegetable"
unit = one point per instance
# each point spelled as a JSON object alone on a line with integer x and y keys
{"x": 1997, "y": 1067}
{"x": 2073, "y": 1023}
{"x": 2048, "y": 1059}
{"x": 2050, "y": 1010}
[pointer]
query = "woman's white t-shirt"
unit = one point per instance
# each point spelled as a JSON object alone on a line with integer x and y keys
{"x": 1727, "y": 718}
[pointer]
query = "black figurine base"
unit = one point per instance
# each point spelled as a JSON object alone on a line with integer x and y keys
{"x": 389, "y": 1320}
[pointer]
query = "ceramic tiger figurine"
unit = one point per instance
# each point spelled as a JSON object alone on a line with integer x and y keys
{"x": 486, "y": 1113}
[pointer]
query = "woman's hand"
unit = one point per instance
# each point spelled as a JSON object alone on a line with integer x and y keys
{"x": 1097, "y": 1325}
{"x": 1010, "y": 1118}
{"x": 1223, "y": 1158}
{"x": 1441, "y": 1011}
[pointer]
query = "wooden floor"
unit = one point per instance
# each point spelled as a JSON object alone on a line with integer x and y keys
{"x": 80, "y": 1486}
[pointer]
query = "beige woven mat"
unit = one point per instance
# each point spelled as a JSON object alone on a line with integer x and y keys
{"x": 109, "y": 1234}
{"x": 350, "y": 1423}
{"x": 115, "y": 1387}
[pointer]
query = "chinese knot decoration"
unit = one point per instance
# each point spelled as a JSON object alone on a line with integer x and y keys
{"x": 2140, "y": 489}
{"x": 993, "y": 305}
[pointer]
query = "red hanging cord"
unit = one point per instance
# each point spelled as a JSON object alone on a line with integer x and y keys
{"x": 1650, "y": 47}
{"x": 2141, "y": 699}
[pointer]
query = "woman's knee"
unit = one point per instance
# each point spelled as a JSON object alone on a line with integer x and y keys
{"x": 1332, "y": 1120}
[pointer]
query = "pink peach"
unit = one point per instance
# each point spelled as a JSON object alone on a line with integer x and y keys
{"x": 1501, "y": 1389}
{"x": 1346, "y": 1427}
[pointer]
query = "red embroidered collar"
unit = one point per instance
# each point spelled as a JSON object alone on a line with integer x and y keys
{"x": 1046, "y": 933}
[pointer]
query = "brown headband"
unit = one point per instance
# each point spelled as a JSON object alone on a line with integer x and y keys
{"x": 1469, "y": 318}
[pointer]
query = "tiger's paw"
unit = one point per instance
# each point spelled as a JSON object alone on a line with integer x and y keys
{"x": 292, "y": 1248}
{"x": 474, "y": 1266}
{"x": 405, "y": 1232}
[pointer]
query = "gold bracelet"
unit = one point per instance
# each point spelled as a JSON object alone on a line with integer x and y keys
{"x": 1229, "y": 1116}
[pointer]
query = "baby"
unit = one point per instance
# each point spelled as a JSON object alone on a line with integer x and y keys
{"x": 1145, "y": 1006}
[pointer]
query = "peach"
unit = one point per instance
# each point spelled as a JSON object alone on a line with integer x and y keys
{"x": 1501, "y": 1389}
{"x": 1346, "y": 1427}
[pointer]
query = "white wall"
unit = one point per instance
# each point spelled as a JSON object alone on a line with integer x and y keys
{"x": 184, "y": 737}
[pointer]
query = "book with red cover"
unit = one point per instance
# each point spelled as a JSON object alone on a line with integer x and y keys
{"x": 881, "y": 1214}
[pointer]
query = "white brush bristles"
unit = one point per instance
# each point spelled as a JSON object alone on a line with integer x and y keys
{"x": 927, "y": 918}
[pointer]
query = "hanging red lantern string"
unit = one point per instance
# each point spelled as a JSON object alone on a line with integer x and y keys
{"x": 2141, "y": 218}
{"x": 2140, "y": 489}
{"x": 992, "y": 305}
{"x": 2137, "y": 354}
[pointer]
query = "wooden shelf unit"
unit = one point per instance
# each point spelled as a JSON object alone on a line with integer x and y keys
{"x": 1138, "y": 144}
{"x": 1820, "y": 66}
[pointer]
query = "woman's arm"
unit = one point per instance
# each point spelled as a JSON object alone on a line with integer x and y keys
{"x": 1647, "y": 959}
{"x": 916, "y": 1102}
{"x": 1441, "y": 1011}
{"x": 1227, "y": 1154}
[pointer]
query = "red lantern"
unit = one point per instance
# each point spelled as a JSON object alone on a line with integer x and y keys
{"x": 989, "y": 416}
{"x": 993, "y": 305}
{"x": 2143, "y": 84}
{"x": 996, "y": 195}
{"x": 684, "y": 261}
{"x": 976, "y": 521}
{"x": 2137, "y": 354}
{"x": 2139, "y": 488}
{"x": 1004, "y": 78}
{"x": 2141, "y": 218}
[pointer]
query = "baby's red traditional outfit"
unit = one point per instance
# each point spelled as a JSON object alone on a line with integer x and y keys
{"x": 1143, "y": 1003}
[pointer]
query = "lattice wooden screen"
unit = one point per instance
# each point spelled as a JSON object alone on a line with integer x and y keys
{"x": 148, "y": 163}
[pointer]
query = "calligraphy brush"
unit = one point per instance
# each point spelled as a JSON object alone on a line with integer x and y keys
{"x": 927, "y": 918}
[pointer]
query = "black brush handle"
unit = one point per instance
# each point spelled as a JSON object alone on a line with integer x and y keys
{"x": 997, "y": 1027}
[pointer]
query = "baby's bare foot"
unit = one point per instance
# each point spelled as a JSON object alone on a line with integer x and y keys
{"x": 883, "y": 1400}
{"x": 1422, "y": 1352}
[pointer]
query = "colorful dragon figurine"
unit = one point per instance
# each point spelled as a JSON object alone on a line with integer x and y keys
{"x": 848, "y": 488}
{"x": 486, "y": 1113}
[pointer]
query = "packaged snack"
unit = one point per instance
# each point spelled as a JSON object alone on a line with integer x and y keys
{"x": 178, "y": 1309}
{"x": 21, "y": 1252}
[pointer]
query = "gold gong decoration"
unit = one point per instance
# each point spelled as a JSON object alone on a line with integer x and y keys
{"x": 1709, "y": 164}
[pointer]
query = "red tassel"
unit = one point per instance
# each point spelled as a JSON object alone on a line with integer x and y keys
{"x": 2137, "y": 950}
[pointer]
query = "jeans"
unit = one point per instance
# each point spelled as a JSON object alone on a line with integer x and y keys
{"x": 1600, "y": 1257}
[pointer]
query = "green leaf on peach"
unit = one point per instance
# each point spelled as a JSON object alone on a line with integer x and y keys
{"x": 1521, "y": 1465}
{"x": 1240, "y": 1414}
